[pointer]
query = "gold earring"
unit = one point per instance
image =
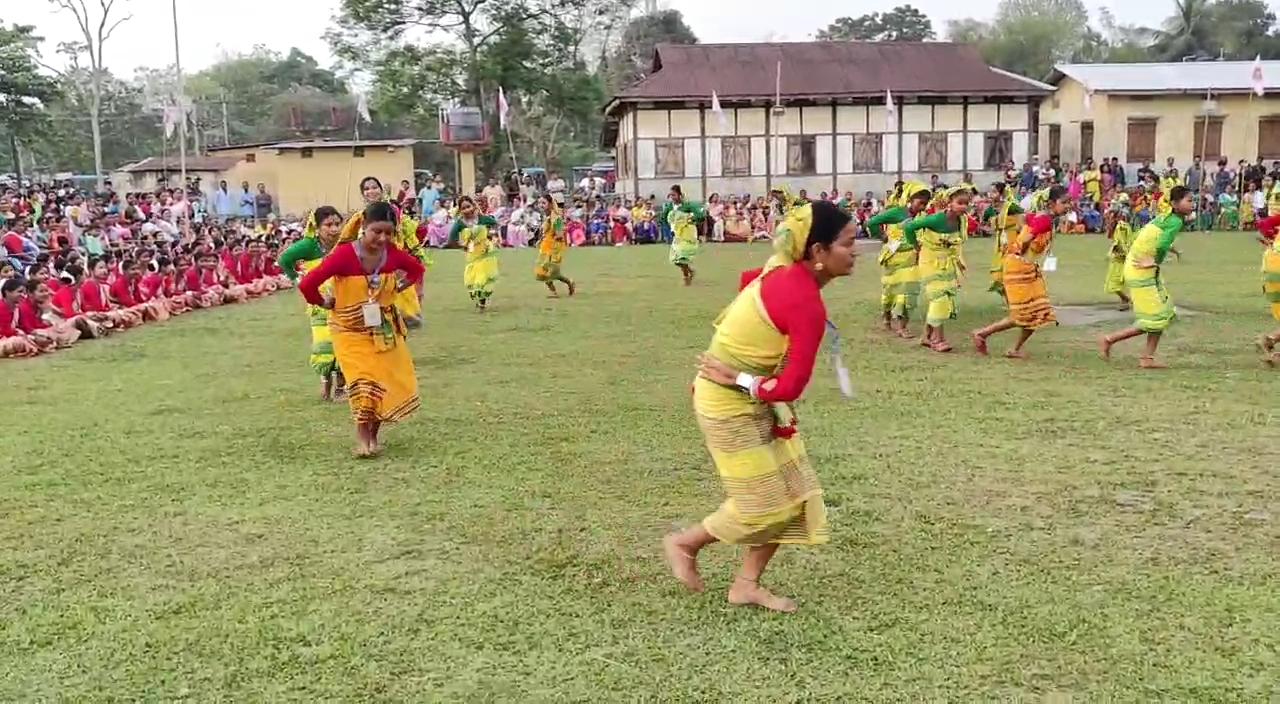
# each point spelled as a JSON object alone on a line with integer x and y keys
{"x": 818, "y": 267}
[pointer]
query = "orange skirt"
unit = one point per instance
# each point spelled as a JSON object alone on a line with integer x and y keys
{"x": 1026, "y": 293}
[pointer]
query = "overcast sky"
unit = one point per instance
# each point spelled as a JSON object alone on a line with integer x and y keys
{"x": 210, "y": 29}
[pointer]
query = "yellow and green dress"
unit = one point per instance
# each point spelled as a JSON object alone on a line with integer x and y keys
{"x": 682, "y": 218}
{"x": 1121, "y": 241}
{"x": 306, "y": 253}
{"x": 941, "y": 259}
{"x": 551, "y": 247}
{"x": 1003, "y": 219}
{"x": 899, "y": 280}
{"x": 772, "y": 492}
{"x": 1153, "y": 308}
{"x": 1271, "y": 276}
{"x": 406, "y": 238}
{"x": 481, "y": 271}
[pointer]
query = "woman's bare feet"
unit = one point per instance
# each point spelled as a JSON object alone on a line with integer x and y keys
{"x": 1151, "y": 363}
{"x": 1016, "y": 354}
{"x": 573, "y": 288}
{"x": 684, "y": 566}
{"x": 326, "y": 389}
{"x": 747, "y": 592}
{"x": 1104, "y": 347}
{"x": 979, "y": 343}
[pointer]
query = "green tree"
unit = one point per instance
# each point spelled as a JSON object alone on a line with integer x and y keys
{"x": 1029, "y": 37}
{"x": 904, "y": 23}
{"x": 632, "y": 57}
{"x": 95, "y": 27}
{"x": 25, "y": 92}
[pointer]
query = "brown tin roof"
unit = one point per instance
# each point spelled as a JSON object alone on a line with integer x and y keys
{"x": 823, "y": 70}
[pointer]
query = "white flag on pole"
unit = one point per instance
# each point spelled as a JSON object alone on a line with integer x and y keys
{"x": 168, "y": 116}
{"x": 502, "y": 108}
{"x": 718, "y": 111}
{"x": 1256, "y": 80}
{"x": 890, "y": 110}
{"x": 1088, "y": 98}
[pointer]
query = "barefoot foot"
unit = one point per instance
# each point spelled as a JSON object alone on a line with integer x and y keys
{"x": 573, "y": 288}
{"x": 1104, "y": 347}
{"x": 745, "y": 592}
{"x": 979, "y": 344}
{"x": 1015, "y": 354}
{"x": 684, "y": 567}
{"x": 1151, "y": 363}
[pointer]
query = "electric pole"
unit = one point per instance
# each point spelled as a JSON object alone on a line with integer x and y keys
{"x": 226, "y": 130}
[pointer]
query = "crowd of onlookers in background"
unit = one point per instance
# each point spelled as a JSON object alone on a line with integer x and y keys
{"x": 77, "y": 265}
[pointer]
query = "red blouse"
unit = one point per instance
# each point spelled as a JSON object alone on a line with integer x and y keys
{"x": 793, "y": 302}
{"x": 8, "y": 320}
{"x": 29, "y": 319}
{"x": 1039, "y": 223}
{"x": 1267, "y": 227}
{"x": 94, "y": 297}
{"x": 124, "y": 292}
{"x": 343, "y": 261}
{"x": 67, "y": 300}
{"x": 153, "y": 286}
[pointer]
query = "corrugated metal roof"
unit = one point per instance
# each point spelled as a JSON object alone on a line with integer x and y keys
{"x": 823, "y": 70}
{"x": 173, "y": 163}
{"x": 1183, "y": 77}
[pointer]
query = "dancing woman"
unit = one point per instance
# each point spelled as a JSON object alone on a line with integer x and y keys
{"x": 940, "y": 237}
{"x": 1267, "y": 228}
{"x": 1003, "y": 217}
{"x": 1153, "y": 308}
{"x": 551, "y": 248}
{"x": 318, "y": 239}
{"x": 682, "y": 216}
{"x": 1023, "y": 281}
{"x": 405, "y": 237}
{"x": 368, "y": 329}
{"x": 899, "y": 279}
{"x": 477, "y": 234}
{"x": 760, "y": 359}
{"x": 1121, "y": 236}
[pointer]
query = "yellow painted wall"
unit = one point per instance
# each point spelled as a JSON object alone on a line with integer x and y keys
{"x": 1175, "y": 117}
{"x": 332, "y": 176}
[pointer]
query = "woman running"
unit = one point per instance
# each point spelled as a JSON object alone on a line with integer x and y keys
{"x": 1153, "y": 308}
{"x": 1025, "y": 293}
{"x": 760, "y": 359}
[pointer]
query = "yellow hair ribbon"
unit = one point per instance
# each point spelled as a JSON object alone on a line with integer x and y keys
{"x": 790, "y": 237}
{"x": 309, "y": 228}
{"x": 351, "y": 228}
{"x": 954, "y": 191}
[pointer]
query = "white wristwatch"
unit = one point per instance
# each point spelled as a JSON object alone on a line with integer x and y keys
{"x": 748, "y": 382}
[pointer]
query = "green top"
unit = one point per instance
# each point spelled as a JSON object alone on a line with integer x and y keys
{"x": 992, "y": 211}
{"x": 892, "y": 216}
{"x": 687, "y": 206}
{"x": 937, "y": 222}
{"x": 1169, "y": 224}
{"x": 459, "y": 225}
{"x": 304, "y": 250}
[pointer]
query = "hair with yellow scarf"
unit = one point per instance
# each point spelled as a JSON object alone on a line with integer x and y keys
{"x": 791, "y": 236}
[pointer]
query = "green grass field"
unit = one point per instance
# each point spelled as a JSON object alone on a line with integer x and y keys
{"x": 180, "y": 517}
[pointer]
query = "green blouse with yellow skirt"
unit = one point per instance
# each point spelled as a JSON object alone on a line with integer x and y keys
{"x": 941, "y": 260}
{"x": 1153, "y": 308}
{"x": 481, "y": 270}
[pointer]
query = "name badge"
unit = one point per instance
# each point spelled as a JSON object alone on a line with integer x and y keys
{"x": 372, "y": 314}
{"x": 837, "y": 362}
{"x": 1050, "y": 264}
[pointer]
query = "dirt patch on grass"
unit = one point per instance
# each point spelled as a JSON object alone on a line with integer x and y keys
{"x": 1097, "y": 313}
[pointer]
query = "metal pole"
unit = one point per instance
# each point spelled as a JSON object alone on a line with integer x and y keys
{"x": 182, "y": 99}
{"x": 226, "y": 131}
{"x": 17, "y": 159}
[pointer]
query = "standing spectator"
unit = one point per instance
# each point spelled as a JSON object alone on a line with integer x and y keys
{"x": 556, "y": 187}
{"x": 264, "y": 206}
{"x": 428, "y": 196}
{"x": 245, "y": 200}
{"x": 224, "y": 206}
{"x": 1195, "y": 175}
{"x": 493, "y": 195}
{"x": 1117, "y": 172}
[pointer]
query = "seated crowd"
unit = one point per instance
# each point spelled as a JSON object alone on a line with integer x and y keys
{"x": 73, "y": 269}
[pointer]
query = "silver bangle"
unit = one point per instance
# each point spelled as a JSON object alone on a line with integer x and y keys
{"x": 747, "y": 383}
